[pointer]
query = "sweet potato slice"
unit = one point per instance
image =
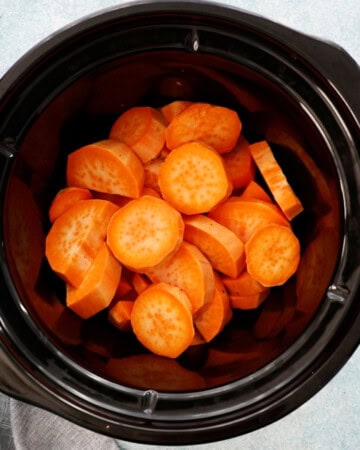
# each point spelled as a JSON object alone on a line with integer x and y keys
{"x": 98, "y": 286}
{"x": 222, "y": 247}
{"x": 147, "y": 371}
{"x": 142, "y": 128}
{"x": 106, "y": 166}
{"x": 243, "y": 217}
{"x": 171, "y": 110}
{"x": 253, "y": 191}
{"x": 272, "y": 254}
{"x": 243, "y": 285}
{"x": 252, "y": 301}
{"x": 161, "y": 320}
{"x": 144, "y": 232}
{"x": 239, "y": 164}
{"x": 123, "y": 288}
{"x": 120, "y": 315}
{"x": 277, "y": 135}
{"x": 276, "y": 179}
{"x": 65, "y": 198}
{"x": 150, "y": 191}
{"x": 189, "y": 270}
{"x": 193, "y": 178}
{"x": 151, "y": 171}
{"x": 216, "y": 126}
{"x": 119, "y": 200}
{"x": 140, "y": 282}
{"x": 197, "y": 339}
{"x": 215, "y": 314}
{"x": 76, "y": 237}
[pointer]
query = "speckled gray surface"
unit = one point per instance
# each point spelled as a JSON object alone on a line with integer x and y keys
{"x": 331, "y": 419}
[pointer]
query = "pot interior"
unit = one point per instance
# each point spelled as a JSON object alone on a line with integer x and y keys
{"x": 82, "y": 113}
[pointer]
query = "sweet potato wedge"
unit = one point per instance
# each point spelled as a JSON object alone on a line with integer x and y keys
{"x": 216, "y": 126}
{"x": 142, "y": 128}
{"x": 243, "y": 217}
{"x": 222, "y": 247}
{"x": 106, "y": 166}
{"x": 215, "y": 314}
{"x": 76, "y": 237}
{"x": 189, "y": 270}
{"x": 98, "y": 286}
{"x": 276, "y": 180}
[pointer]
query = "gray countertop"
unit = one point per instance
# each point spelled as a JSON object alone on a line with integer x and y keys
{"x": 331, "y": 419}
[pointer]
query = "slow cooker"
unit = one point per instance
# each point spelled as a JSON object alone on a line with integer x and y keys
{"x": 301, "y": 94}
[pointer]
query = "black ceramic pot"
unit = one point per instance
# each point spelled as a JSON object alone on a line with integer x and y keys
{"x": 301, "y": 94}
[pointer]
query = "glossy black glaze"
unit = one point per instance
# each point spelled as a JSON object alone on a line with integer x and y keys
{"x": 318, "y": 78}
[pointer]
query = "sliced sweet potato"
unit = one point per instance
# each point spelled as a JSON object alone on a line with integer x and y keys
{"x": 252, "y": 301}
{"x": 76, "y": 237}
{"x": 253, "y": 191}
{"x": 170, "y": 110}
{"x": 142, "y": 128}
{"x": 222, "y": 247}
{"x": 119, "y": 200}
{"x": 193, "y": 179}
{"x": 276, "y": 134}
{"x": 211, "y": 318}
{"x": 243, "y": 217}
{"x": 164, "y": 153}
{"x": 243, "y": 285}
{"x": 161, "y": 320}
{"x": 239, "y": 164}
{"x": 216, "y": 126}
{"x": 120, "y": 315}
{"x": 276, "y": 180}
{"x": 123, "y": 288}
{"x": 189, "y": 270}
{"x": 106, "y": 166}
{"x": 140, "y": 282}
{"x": 197, "y": 339}
{"x": 145, "y": 232}
{"x": 150, "y": 191}
{"x": 151, "y": 171}
{"x": 98, "y": 286}
{"x": 272, "y": 254}
{"x": 65, "y": 198}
